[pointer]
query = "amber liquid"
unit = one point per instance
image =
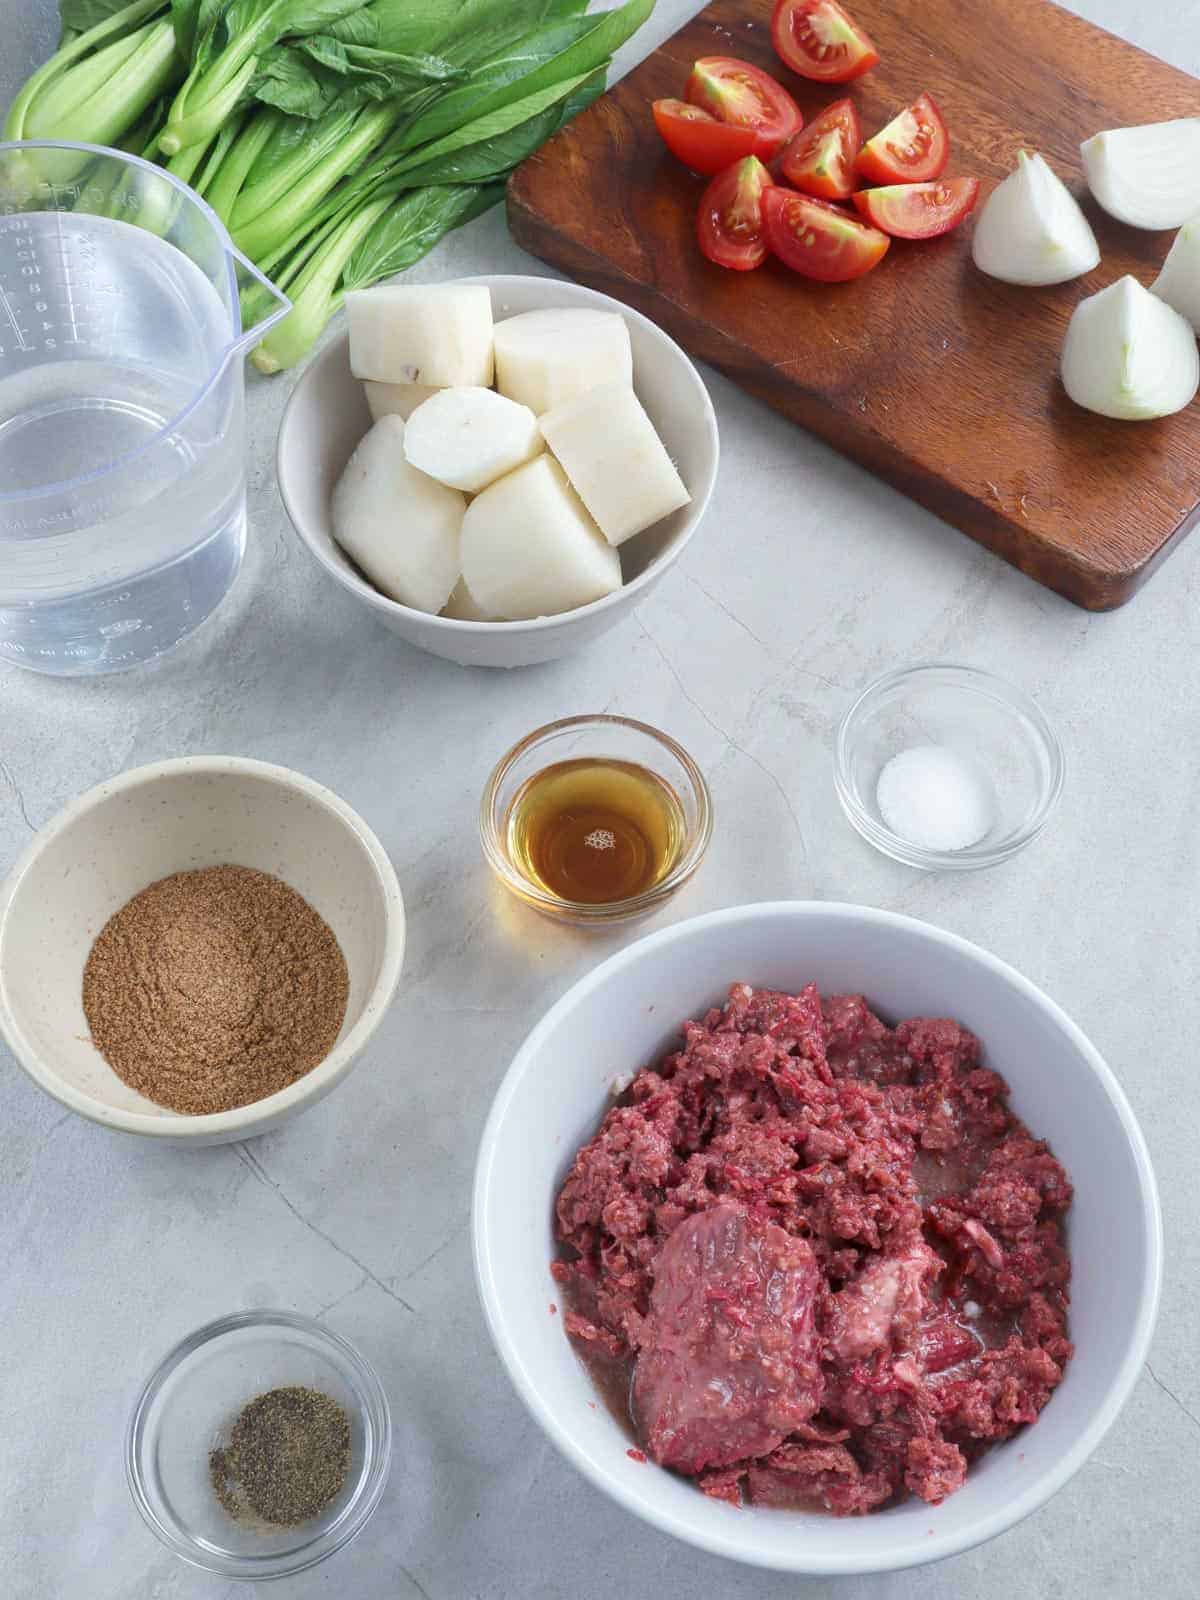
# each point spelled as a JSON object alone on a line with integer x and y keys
{"x": 595, "y": 831}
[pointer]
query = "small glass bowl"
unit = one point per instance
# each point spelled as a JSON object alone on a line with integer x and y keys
{"x": 595, "y": 737}
{"x": 186, "y": 1409}
{"x": 979, "y": 716}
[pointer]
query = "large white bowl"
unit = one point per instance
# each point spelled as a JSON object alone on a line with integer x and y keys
{"x": 115, "y": 840}
{"x": 327, "y": 415}
{"x": 625, "y": 1014}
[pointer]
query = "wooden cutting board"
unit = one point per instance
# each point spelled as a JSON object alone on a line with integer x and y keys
{"x": 937, "y": 378}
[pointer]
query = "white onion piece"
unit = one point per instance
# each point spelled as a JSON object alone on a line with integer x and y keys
{"x": 1128, "y": 355}
{"x": 1148, "y": 176}
{"x": 1179, "y": 281}
{"x": 1031, "y": 230}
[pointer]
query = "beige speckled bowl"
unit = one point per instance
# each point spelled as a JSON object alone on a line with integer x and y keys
{"x": 116, "y": 839}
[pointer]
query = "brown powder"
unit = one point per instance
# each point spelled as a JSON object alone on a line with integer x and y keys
{"x": 211, "y": 989}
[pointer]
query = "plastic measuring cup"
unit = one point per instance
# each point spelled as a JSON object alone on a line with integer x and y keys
{"x": 122, "y": 426}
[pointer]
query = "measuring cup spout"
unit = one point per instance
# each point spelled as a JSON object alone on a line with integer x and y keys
{"x": 263, "y": 305}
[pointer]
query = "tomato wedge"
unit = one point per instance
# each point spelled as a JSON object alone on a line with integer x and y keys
{"x": 699, "y": 140}
{"x": 744, "y": 96}
{"x": 912, "y": 148}
{"x": 729, "y": 224}
{"x": 818, "y": 39}
{"x": 820, "y": 159}
{"x": 820, "y": 240}
{"x": 919, "y": 210}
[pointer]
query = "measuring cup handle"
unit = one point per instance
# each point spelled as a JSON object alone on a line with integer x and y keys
{"x": 283, "y": 305}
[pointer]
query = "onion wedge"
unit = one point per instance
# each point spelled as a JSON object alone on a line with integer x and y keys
{"x": 1127, "y": 354}
{"x": 1179, "y": 281}
{"x": 1147, "y": 176}
{"x": 1031, "y": 230}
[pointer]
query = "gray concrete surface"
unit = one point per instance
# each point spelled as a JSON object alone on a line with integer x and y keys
{"x": 808, "y": 579}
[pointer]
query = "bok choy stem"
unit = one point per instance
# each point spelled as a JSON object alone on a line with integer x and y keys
{"x": 71, "y": 97}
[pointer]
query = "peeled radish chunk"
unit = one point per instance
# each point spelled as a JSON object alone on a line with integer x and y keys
{"x": 544, "y": 358}
{"x": 1148, "y": 176}
{"x": 1128, "y": 355}
{"x": 615, "y": 461}
{"x": 1031, "y": 230}
{"x": 401, "y": 527}
{"x": 461, "y": 606}
{"x": 529, "y": 548}
{"x": 1179, "y": 281}
{"x": 436, "y": 334}
{"x": 396, "y": 399}
{"x": 470, "y": 437}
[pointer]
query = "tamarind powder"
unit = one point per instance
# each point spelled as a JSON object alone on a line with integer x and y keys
{"x": 214, "y": 988}
{"x": 287, "y": 1458}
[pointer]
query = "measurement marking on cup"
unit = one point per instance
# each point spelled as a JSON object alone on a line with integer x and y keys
{"x": 63, "y": 259}
{"x": 12, "y": 317}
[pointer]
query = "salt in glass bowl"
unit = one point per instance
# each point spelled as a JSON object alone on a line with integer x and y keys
{"x": 596, "y": 737}
{"x": 994, "y": 726}
{"x": 186, "y": 1409}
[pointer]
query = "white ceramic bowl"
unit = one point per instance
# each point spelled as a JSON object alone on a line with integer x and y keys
{"x": 125, "y": 834}
{"x": 624, "y": 1015}
{"x": 327, "y": 415}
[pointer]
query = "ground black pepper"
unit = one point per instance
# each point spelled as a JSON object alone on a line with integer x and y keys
{"x": 286, "y": 1460}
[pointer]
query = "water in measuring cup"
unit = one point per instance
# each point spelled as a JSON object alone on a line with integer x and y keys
{"x": 122, "y": 489}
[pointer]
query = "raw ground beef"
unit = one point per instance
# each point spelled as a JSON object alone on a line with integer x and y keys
{"x": 818, "y": 1262}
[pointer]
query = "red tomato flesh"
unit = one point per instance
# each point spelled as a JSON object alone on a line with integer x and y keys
{"x": 912, "y": 148}
{"x": 818, "y": 39}
{"x": 698, "y": 139}
{"x": 919, "y": 210}
{"x": 820, "y": 159}
{"x": 820, "y": 240}
{"x": 729, "y": 224}
{"x": 745, "y": 97}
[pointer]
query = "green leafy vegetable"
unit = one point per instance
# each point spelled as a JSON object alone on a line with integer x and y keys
{"x": 97, "y": 87}
{"x": 258, "y": 133}
{"x": 230, "y": 35}
{"x": 562, "y": 51}
{"x": 217, "y": 152}
{"x": 308, "y": 77}
{"x": 287, "y": 196}
{"x": 411, "y": 229}
{"x": 78, "y": 16}
{"x": 501, "y": 147}
{"x": 481, "y": 130}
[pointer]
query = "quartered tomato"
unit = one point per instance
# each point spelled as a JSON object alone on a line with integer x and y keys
{"x": 919, "y": 210}
{"x": 912, "y": 148}
{"x": 729, "y": 224}
{"x": 820, "y": 159}
{"x": 745, "y": 97}
{"x": 817, "y": 39}
{"x": 698, "y": 139}
{"x": 818, "y": 239}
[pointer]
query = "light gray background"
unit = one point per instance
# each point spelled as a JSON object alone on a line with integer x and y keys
{"x": 807, "y": 580}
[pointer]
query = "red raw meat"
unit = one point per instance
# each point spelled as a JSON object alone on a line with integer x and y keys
{"x": 729, "y": 1360}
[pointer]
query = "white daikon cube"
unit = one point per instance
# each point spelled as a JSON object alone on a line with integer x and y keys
{"x": 401, "y": 527}
{"x": 544, "y": 358}
{"x": 470, "y": 437}
{"x": 529, "y": 548}
{"x": 615, "y": 460}
{"x": 432, "y": 333}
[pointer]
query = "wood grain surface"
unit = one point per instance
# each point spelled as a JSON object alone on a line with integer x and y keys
{"x": 930, "y": 374}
